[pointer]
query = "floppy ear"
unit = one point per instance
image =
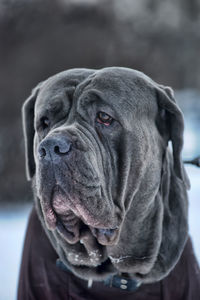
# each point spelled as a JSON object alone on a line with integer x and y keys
{"x": 175, "y": 128}
{"x": 29, "y": 131}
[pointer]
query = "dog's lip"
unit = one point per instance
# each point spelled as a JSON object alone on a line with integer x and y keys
{"x": 71, "y": 236}
{"x": 106, "y": 236}
{"x": 74, "y": 232}
{"x": 73, "y": 218}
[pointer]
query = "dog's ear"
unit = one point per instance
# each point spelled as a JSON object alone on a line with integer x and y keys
{"x": 174, "y": 125}
{"x": 29, "y": 131}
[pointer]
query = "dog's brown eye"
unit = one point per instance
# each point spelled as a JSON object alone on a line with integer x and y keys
{"x": 104, "y": 118}
{"x": 45, "y": 122}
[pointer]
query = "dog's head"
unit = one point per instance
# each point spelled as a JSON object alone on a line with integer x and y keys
{"x": 96, "y": 149}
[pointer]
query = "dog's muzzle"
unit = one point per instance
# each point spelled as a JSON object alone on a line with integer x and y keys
{"x": 65, "y": 211}
{"x": 54, "y": 147}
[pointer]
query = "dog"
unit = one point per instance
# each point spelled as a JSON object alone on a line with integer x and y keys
{"x": 110, "y": 195}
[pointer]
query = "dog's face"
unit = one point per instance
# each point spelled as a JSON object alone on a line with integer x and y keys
{"x": 83, "y": 144}
{"x": 96, "y": 155}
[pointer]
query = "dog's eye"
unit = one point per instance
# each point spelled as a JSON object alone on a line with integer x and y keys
{"x": 44, "y": 122}
{"x": 104, "y": 118}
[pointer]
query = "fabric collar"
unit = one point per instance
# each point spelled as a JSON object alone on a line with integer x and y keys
{"x": 117, "y": 281}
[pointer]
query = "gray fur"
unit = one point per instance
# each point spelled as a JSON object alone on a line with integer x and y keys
{"x": 122, "y": 178}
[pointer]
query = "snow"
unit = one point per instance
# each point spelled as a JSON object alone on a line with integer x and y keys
{"x": 13, "y": 222}
{"x": 194, "y": 208}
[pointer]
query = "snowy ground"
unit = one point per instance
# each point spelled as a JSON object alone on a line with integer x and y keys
{"x": 13, "y": 222}
{"x": 12, "y": 228}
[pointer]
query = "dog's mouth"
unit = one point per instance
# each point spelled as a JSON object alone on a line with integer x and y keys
{"x": 76, "y": 232}
{"x": 73, "y": 221}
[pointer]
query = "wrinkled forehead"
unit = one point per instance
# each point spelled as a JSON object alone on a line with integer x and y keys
{"x": 123, "y": 89}
{"x": 60, "y": 87}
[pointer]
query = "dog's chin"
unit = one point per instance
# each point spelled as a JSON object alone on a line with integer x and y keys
{"x": 74, "y": 222}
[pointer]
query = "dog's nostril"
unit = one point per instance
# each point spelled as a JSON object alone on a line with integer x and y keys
{"x": 51, "y": 148}
{"x": 42, "y": 152}
{"x": 62, "y": 149}
{"x": 56, "y": 150}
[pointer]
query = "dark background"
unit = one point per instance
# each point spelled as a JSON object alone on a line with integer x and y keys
{"x": 39, "y": 38}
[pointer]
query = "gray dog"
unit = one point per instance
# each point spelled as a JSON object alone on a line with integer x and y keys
{"x": 110, "y": 195}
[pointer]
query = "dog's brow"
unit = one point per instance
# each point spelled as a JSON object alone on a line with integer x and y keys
{"x": 56, "y": 104}
{"x": 99, "y": 98}
{"x": 101, "y": 103}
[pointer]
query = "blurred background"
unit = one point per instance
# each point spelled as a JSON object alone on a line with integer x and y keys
{"x": 39, "y": 38}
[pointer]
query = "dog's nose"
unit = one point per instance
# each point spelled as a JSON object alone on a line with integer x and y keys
{"x": 54, "y": 147}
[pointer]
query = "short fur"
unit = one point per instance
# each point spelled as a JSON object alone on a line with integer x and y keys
{"x": 120, "y": 184}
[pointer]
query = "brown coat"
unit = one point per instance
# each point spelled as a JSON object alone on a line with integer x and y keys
{"x": 41, "y": 279}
